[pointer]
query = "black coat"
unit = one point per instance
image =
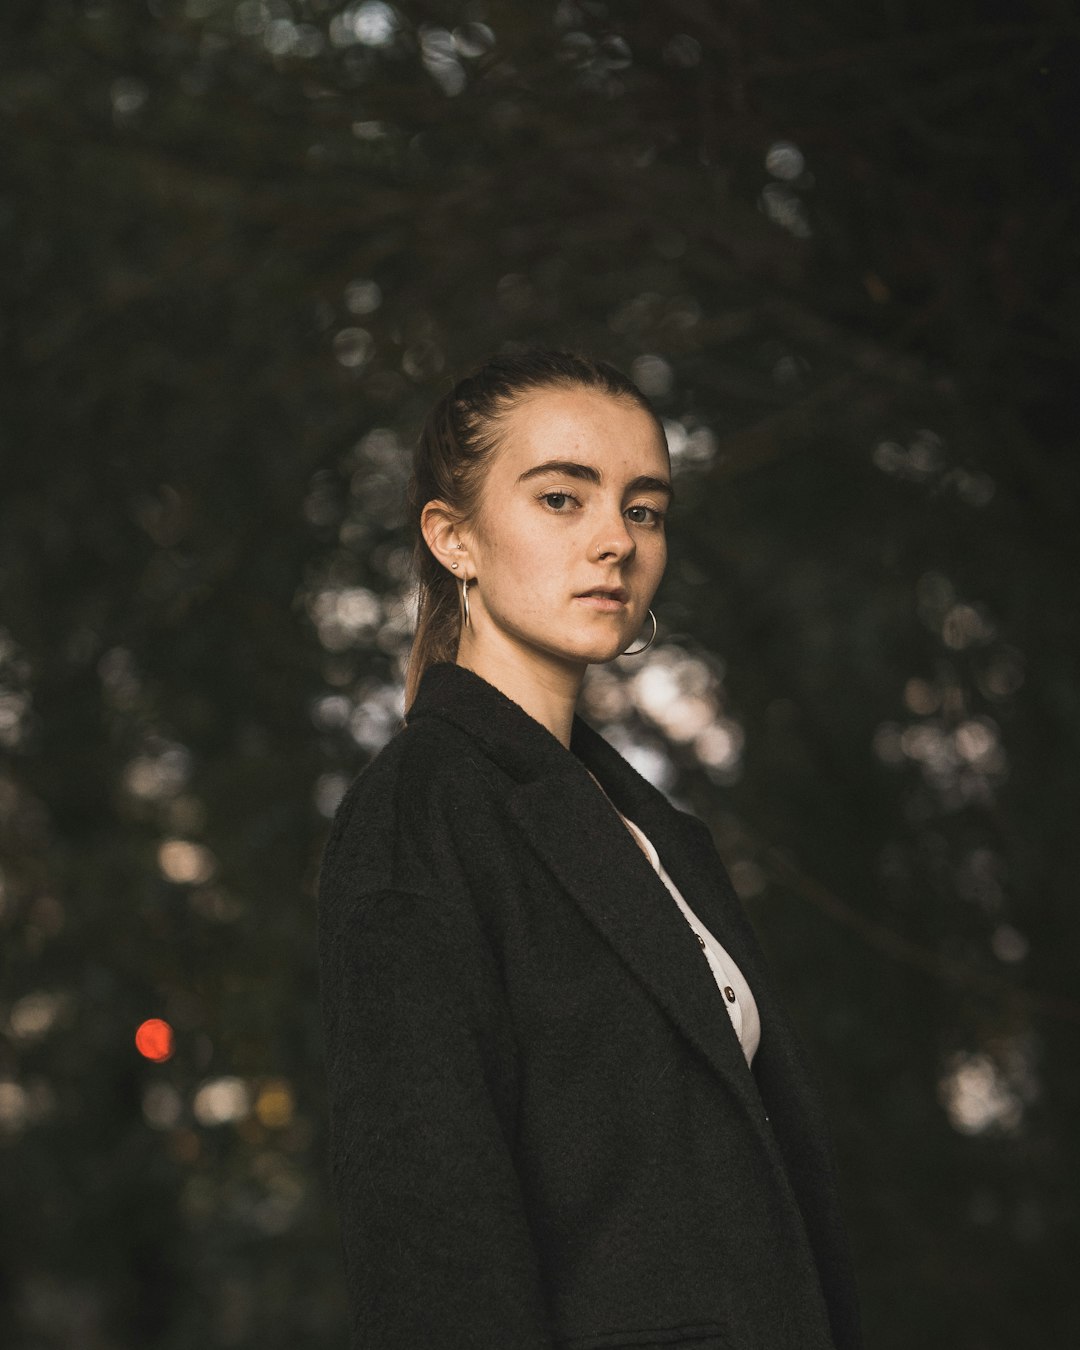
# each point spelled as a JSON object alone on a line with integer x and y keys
{"x": 543, "y": 1129}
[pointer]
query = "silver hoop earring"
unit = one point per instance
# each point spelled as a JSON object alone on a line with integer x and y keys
{"x": 465, "y": 600}
{"x": 636, "y": 651}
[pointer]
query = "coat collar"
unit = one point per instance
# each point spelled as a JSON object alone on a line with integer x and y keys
{"x": 574, "y": 831}
{"x": 519, "y": 744}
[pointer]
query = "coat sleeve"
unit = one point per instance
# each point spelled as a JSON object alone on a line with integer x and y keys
{"x": 421, "y": 1069}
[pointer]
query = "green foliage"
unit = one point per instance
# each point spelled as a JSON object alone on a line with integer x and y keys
{"x": 245, "y": 245}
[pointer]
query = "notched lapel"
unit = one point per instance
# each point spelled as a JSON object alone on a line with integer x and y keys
{"x": 577, "y": 835}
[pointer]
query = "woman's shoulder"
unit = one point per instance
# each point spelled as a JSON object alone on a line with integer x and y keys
{"x": 418, "y": 766}
{"x": 395, "y": 824}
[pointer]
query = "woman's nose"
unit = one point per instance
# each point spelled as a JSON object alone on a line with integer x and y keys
{"x": 614, "y": 542}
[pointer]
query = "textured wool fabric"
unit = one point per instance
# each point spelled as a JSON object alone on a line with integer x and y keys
{"x": 543, "y": 1129}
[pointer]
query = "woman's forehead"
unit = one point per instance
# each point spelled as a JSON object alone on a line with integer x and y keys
{"x": 578, "y": 423}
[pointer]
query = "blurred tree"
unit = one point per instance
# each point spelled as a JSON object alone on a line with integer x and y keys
{"x": 245, "y": 245}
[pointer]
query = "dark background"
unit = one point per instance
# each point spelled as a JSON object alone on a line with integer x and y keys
{"x": 244, "y": 246}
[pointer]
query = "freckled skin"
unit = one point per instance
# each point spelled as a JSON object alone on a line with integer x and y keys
{"x": 538, "y": 543}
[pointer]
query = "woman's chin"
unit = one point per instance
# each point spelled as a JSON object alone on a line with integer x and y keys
{"x": 590, "y": 651}
{"x": 583, "y": 649}
{"x": 600, "y": 653}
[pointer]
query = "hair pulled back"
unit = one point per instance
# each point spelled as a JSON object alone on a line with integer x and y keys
{"x": 459, "y": 436}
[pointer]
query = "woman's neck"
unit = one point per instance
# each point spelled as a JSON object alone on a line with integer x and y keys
{"x": 547, "y": 690}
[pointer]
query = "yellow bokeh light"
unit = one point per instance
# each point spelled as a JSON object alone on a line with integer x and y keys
{"x": 275, "y": 1105}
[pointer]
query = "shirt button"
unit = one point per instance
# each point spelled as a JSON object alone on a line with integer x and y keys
{"x": 729, "y": 993}
{"x": 700, "y": 939}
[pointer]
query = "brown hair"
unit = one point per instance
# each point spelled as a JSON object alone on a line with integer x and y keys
{"x": 458, "y": 437}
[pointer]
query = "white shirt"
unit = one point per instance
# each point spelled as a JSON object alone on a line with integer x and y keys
{"x": 738, "y": 998}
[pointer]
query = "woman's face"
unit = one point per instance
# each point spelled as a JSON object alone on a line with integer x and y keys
{"x": 573, "y": 503}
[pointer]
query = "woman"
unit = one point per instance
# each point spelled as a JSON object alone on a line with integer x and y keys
{"x": 566, "y": 1109}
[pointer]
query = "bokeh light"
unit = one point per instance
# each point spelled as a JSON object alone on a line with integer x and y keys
{"x": 220, "y": 1101}
{"x": 185, "y": 863}
{"x": 154, "y": 1040}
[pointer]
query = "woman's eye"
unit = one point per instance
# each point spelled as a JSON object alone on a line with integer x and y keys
{"x": 557, "y": 500}
{"x": 652, "y": 515}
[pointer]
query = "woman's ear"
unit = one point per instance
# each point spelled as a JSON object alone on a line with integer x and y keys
{"x": 441, "y": 533}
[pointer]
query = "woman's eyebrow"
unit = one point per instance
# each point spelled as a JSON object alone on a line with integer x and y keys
{"x": 570, "y": 469}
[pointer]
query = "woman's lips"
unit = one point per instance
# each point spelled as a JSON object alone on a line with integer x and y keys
{"x": 603, "y": 602}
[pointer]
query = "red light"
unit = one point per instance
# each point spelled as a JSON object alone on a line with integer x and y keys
{"x": 154, "y": 1039}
